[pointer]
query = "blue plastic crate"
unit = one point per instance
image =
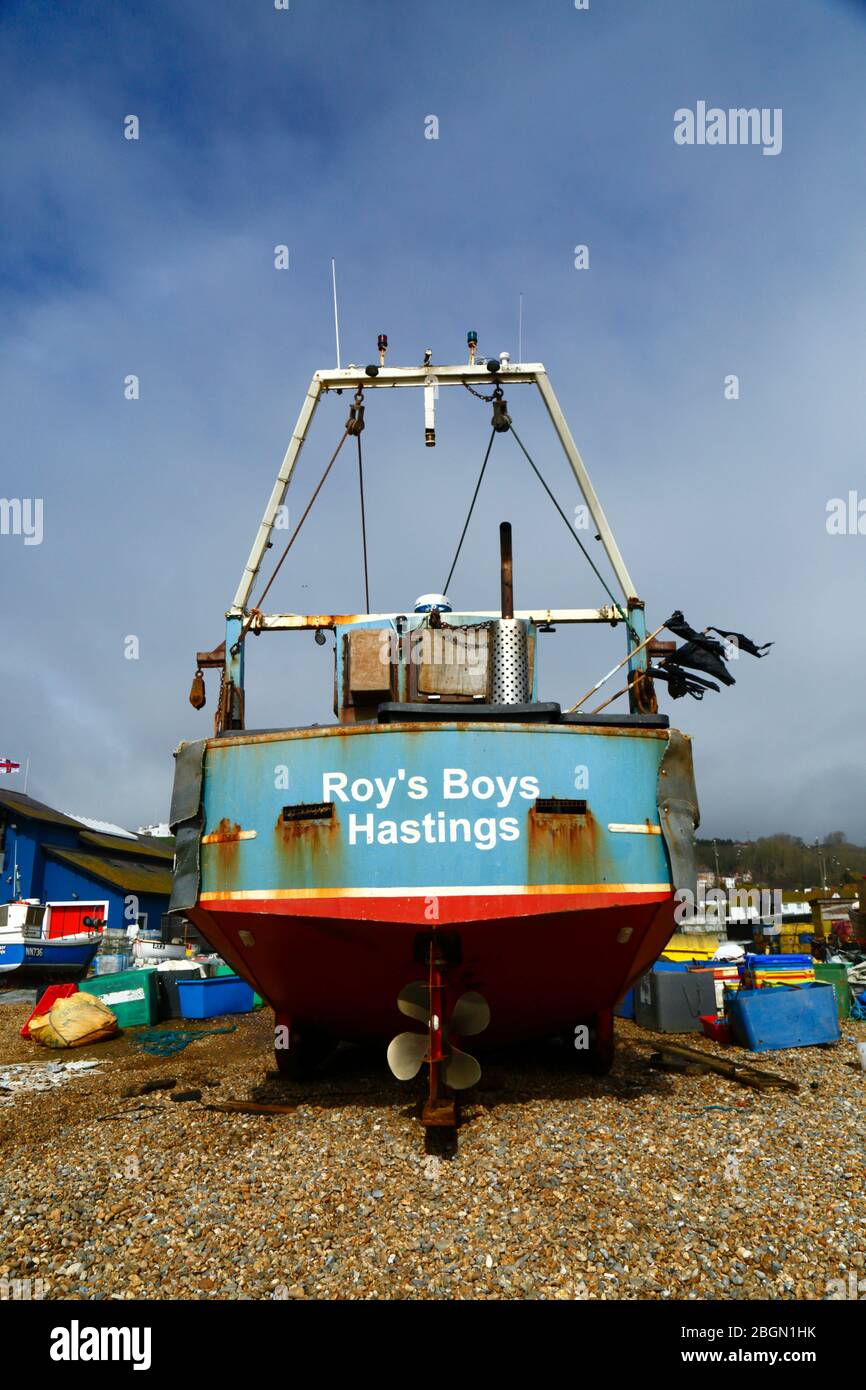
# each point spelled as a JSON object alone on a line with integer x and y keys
{"x": 625, "y": 1007}
{"x": 780, "y": 962}
{"x": 223, "y": 994}
{"x": 767, "y": 1020}
{"x": 668, "y": 965}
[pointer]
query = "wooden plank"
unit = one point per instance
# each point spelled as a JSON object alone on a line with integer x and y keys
{"x": 735, "y": 1071}
{"x": 251, "y": 1107}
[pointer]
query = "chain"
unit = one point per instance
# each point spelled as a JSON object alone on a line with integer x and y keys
{"x": 218, "y": 715}
{"x": 496, "y": 395}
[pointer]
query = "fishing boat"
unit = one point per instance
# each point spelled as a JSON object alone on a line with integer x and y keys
{"x": 452, "y": 857}
{"x": 30, "y": 953}
{"x": 146, "y": 951}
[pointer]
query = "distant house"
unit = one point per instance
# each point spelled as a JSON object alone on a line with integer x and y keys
{"x": 50, "y": 856}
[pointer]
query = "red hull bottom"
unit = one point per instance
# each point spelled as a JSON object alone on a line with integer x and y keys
{"x": 541, "y": 974}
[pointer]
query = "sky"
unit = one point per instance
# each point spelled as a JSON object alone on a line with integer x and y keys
{"x": 308, "y": 127}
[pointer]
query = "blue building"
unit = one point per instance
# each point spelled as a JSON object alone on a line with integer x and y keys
{"x": 55, "y": 859}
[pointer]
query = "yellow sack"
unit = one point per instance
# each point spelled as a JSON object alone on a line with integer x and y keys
{"x": 74, "y": 1022}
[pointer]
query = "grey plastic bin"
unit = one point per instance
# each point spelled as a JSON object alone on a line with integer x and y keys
{"x": 673, "y": 1001}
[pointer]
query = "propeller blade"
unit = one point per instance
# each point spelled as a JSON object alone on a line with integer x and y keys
{"x": 406, "y": 1052}
{"x": 471, "y": 1015}
{"x": 461, "y": 1070}
{"x": 414, "y": 1001}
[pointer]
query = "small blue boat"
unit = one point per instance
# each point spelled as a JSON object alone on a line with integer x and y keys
{"x": 28, "y": 956}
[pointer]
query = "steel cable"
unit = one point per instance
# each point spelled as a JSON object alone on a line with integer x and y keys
{"x": 471, "y": 509}
{"x": 363, "y": 524}
{"x": 256, "y": 608}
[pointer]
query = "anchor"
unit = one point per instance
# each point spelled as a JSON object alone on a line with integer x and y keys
{"x": 450, "y": 1068}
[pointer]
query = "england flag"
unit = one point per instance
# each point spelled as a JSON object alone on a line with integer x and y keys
{"x": 7, "y": 765}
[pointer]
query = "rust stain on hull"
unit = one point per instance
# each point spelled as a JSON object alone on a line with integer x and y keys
{"x": 216, "y": 745}
{"x": 569, "y": 846}
{"x": 303, "y": 847}
{"x": 224, "y": 852}
{"x": 227, "y": 832}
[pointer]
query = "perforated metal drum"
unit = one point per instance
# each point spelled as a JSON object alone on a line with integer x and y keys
{"x": 510, "y": 673}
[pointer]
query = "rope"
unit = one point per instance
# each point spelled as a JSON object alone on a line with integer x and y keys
{"x": 165, "y": 1042}
{"x": 256, "y": 608}
{"x": 628, "y": 656}
{"x": 363, "y": 525}
{"x": 471, "y": 504}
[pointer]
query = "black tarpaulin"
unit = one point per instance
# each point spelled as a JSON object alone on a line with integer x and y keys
{"x": 697, "y": 658}
{"x": 744, "y": 643}
{"x": 680, "y": 684}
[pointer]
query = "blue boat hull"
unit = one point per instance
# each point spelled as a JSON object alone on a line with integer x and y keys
{"x": 44, "y": 962}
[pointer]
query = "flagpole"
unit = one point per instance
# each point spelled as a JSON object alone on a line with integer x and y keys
{"x": 26, "y": 775}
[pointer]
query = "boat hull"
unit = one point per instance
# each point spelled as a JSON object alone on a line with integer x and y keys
{"x": 537, "y": 854}
{"x": 540, "y": 975}
{"x": 45, "y": 962}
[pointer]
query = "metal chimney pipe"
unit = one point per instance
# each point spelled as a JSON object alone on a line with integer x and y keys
{"x": 506, "y": 569}
{"x": 510, "y": 685}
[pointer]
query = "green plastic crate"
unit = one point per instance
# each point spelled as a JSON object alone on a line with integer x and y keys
{"x": 131, "y": 995}
{"x": 835, "y": 974}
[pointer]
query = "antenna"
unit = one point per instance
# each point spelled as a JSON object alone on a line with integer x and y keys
{"x": 336, "y": 315}
{"x": 520, "y": 330}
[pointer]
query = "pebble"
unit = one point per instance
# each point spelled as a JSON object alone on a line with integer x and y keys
{"x": 561, "y": 1185}
{"x": 37, "y": 1075}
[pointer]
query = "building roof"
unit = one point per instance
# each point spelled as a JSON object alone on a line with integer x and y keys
{"x": 104, "y": 827}
{"x": 22, "y": 805}
{"x": 139, "y": 846}
{"x": 128, "y": 874}
{"x": 163, "y": 841}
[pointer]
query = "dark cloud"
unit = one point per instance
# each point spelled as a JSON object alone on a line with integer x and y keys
{"x": 306, "y": 128}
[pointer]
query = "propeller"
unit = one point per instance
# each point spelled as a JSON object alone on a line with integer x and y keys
{"x": 461, "y": 1069}
{"x": 414, "y": 1001}
{"x": 471, "y": 1014}
{"x": 407, "y": 1052}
